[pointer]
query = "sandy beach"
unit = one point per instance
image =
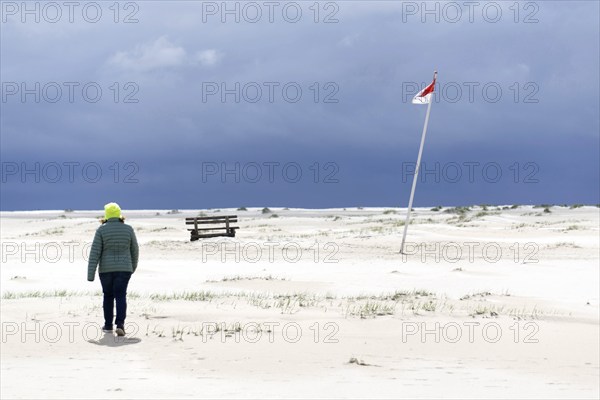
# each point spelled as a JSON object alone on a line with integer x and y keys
{"x": 488, "y": 302}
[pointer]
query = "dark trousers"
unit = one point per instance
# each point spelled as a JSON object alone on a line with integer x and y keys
{"x": 114, "y": 287}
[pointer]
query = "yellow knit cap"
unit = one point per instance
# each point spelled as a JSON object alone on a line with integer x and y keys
{"x": 112, "y": 210}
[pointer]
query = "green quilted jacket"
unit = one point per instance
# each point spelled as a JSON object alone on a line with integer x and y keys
{"x": 115, "y": 248}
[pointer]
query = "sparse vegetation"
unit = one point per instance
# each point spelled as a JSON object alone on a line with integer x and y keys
{"x": 242, "y": 209}
{"x": 457, "y": 210}
{"x": 266, "y": 210}
{"x": 563, "y": 244}
{"x": 436, "y": 208}
{"x": 187, "y": 296}
{"x": 48, "y": 293}
{"x": 414, "y": 302}
{"x": 249, "y": 278}
{"x": 473, "y": 295}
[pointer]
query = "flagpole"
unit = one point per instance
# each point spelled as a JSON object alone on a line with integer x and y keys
{"x": 417, "y": 168}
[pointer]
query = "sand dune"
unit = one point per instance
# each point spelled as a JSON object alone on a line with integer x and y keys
{"x": 492, "y": 302}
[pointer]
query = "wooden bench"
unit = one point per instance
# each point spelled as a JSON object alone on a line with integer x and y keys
{"x": 207, "y": 232}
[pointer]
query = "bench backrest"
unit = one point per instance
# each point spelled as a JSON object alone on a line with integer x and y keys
{"x": 221, "y": 219}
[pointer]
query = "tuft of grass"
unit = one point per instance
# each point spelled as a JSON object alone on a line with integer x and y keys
{"x": 436, "y": 208}
{"x": 242, "y": 209}
{"x": 354, "y": 360}
{"x": 372, "y": 309}
{"x": 576, "y": 206}
{"x": 202, "y": 295}
{"x": 480, "y": 310}
{"x": 547, "y": 210}
{"x": 429, "y": 306}
{"x": 274, "y": 216}
{"x": 266, "y": 210}
{"x": 389, "y": 212}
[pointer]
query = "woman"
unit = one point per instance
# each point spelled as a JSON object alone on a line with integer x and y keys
{"x": 115, "y": 248}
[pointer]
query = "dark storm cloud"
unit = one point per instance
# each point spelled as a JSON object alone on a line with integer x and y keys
{"x": 369, "y": 61}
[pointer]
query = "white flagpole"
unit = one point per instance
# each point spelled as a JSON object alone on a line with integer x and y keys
{"x": 414, "y": 184}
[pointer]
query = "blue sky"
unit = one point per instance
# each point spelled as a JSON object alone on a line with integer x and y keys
{"x": 316, "y": 112}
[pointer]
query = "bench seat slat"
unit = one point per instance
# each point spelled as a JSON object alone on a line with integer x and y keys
{"x": 212, "y": 229}
{"x": 209, "y": 235}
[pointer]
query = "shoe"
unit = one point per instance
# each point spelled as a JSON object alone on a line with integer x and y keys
{"x": 107, "y": 328}
{"x": 120, "y": 331}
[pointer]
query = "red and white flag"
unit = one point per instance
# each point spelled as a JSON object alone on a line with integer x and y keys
{"x": 424, "y": 96}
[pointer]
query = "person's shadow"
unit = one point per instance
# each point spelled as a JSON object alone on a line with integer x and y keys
{"x": 111, "y": 340}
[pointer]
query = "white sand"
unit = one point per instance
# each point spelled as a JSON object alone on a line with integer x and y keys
{"x": 345, "y": 321}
